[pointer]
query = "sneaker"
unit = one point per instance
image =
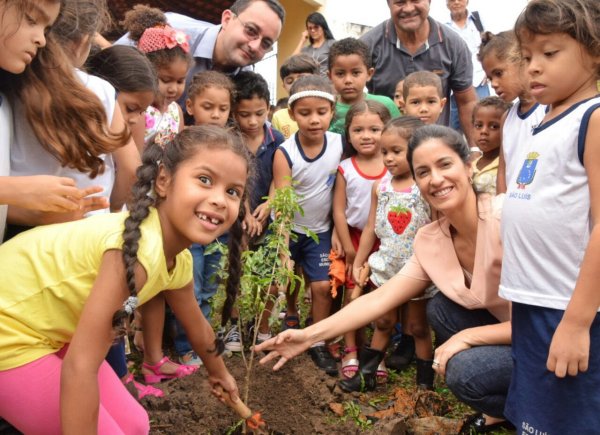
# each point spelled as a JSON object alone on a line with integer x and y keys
{"x": 261, "y": 338}
{"x": 233, "y": 340}
{"x": 190, "y": 359}
{"x": 290, "y": 321}
{"x": 323, "y": 359}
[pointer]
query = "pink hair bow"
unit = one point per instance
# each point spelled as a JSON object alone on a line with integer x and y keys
{"x": 160, "y": 38}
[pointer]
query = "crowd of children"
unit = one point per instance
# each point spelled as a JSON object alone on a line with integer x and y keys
{"x": 98, "y": 145}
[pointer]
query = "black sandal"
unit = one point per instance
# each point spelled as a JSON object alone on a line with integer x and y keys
{"x": 476, "y": 424}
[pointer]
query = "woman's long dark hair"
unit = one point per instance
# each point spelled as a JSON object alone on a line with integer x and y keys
{"x": 318, "y": 19}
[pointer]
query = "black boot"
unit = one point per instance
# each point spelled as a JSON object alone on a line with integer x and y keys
{"x": 402, "y": 354}
{"x": 366, "y": 377}
{"x": 425, "y": 374}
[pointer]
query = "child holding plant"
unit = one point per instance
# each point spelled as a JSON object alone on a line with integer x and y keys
{"x": 84, "y": 279}
{"x": 351, "y": 198}
{"x": 396, "y": 213}
{"x": 310, "y": 159}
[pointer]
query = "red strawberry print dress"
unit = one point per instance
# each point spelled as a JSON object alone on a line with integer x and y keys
{"x": 399, "y": 215}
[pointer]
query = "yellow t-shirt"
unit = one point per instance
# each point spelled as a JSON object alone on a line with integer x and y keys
{"x": 484, "y": 180}
{"x": 281, "y": 121}
{"x": 48, "y": 273}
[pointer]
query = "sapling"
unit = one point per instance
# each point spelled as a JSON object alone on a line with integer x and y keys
{"x": 267, "y": 271}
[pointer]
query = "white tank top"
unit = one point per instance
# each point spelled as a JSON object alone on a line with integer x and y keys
{"x": 517, "y": 129}
{"x": 358, "y": 192}
{"x": 546, "y": 214}
{"x": 315, "y": 179}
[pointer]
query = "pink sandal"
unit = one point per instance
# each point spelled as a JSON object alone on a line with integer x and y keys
{"x": 143, "y": 390}
{"x": 350, "y": 367}
{"x": 157, "y": 375}
{"x": 382, "y": 374}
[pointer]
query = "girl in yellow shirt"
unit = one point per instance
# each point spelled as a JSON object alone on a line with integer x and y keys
{"x": 67, "y": 288}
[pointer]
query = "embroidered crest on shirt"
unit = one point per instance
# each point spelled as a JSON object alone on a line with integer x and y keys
{"x": 528, "y": 170}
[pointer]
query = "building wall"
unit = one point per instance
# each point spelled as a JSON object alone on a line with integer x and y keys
{"x": 296, "y": 12}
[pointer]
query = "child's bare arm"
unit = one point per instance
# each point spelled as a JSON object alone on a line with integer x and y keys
{"x": 339, "y": 219}
{"x": 79, "y": 396}
{"x": 201, "y": 336}
{"x": 368, "y": 237}
{"x": 570, "y": 347}
{"x": 501, "y": 176}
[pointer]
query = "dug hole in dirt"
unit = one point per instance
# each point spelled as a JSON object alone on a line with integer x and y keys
{"x": 298, "y": 399}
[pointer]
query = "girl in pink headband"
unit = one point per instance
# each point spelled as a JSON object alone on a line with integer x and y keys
{"x": 168, "y": 51}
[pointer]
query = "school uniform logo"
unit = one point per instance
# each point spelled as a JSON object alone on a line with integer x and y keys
{"x": 528, "y": 170}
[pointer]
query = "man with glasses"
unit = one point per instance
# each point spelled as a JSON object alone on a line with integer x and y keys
{"x": 413, "y": 41}
{"x": 247, "y": 32}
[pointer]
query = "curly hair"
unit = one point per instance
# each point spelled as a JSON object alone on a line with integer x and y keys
{"x": 143, "y": 17}
{"x": 210, "y": 79}
{"x": 494, "y": 102}
{"x": 347, "y": 47}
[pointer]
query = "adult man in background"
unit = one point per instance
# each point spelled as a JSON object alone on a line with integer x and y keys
{"x": 412, "y": 41}
{"x": 248, "y": 31}
{"x": 469, "y": 26}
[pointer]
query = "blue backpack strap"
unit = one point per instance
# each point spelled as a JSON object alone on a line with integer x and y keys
{"x": 585, "y": 120}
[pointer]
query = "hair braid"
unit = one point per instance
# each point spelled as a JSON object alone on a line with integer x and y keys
{"x": 234, "y": 273}
{"x": 139, "y": 209}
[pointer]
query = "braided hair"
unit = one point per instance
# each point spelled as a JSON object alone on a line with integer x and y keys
{"x": 183, "y": 147}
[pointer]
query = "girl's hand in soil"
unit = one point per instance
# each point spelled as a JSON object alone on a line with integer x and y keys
{"x": 222, "y": 385}
{"x": 286, "y": 345}
{"x": 569, "y": 350}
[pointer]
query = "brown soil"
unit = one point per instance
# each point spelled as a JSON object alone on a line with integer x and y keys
{"x": 294, "y": 400}
{"x": 298, "y": 399}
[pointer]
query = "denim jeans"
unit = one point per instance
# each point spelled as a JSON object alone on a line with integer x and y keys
{"x": 116, "y": 358}
{"x": 206, "y": 284}
{"x": 479, "y": 376}
{"x": 482, "y": 92}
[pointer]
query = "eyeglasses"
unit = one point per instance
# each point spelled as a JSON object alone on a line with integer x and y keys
{"x": 252, "y": 33}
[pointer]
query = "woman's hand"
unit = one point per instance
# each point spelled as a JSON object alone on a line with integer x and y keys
{"x": 286, "y": 345}
{"x": 569, "y": 350}
{"x": 304, "y": 37}
{"x": 457, "y": 343}
{"x": 224, "y": 384}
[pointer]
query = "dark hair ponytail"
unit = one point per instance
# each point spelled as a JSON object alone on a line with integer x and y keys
{"x": 142, "y": 199}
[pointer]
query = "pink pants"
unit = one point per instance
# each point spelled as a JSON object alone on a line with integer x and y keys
{"x": 30, "y": 399}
